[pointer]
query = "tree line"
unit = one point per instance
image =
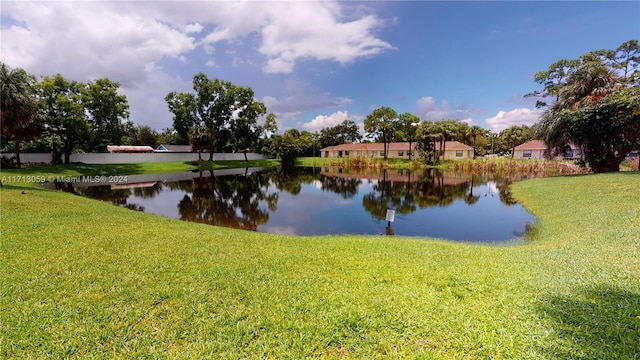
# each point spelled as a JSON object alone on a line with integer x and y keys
{"x": 592, "y": 102}
{"x": 62, "y": 116}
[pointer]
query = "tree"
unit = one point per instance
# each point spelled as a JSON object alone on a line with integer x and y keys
{"x": 597, "y": 107}
{"x": 380, "y": 125}
{"x": 144, "y": 135}
{"x": 265, "y": 134}
{"x": 290, "y": 145}
{"x": 18, "y": 106}
{"x": 407, "y": 129}
{"x": 200, "y": 139}
{"x": 447, "y": 130}
{"x": 107, "y": 110}
{"x": 427, "y": 136}
{"x": 183, "y": 107}
{"x": 227, "y": 110}
{"x": 63, "y": 112}
{"x": 473, "y": 133}
{"x": 170, "y": 136}
{"x": 344, "y": 133}
{"x": 515, "y": 135}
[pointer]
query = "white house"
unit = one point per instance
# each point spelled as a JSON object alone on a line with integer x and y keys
{"x": 537, "y": 149}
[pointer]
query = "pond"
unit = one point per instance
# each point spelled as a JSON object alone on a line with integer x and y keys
{"x": 323, "y": 201}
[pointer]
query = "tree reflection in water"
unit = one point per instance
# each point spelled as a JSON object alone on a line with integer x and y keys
{"x": 312, "y": 196}
{"x": 229, "y": 201}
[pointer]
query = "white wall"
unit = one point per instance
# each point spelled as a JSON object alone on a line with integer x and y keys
{"x": 107, "y": 158}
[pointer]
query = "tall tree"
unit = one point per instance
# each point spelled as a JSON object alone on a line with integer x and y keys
{"x": 343, "y": 133}
{"x": 18, "y": 106}
{"x": 597, "y": 108}
{"x": 227, "y": 110}
{"x": 514, "y": 136}
{"x": 447, "y": 130}
{"x": 265, "y": 134}
{"x": 407, "y": 129}
{"x": 183, "y": 107}
{"x": 473, "y": 132}
{"x": 380, "y": 125}
{"x": 63, "y": 111}
{"x": 107, "y": 110}
{"x": 427, "y": 136}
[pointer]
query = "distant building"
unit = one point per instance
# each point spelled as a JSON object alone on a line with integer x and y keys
{"x": 397, "y": 150}
{"x": 129, "y": 149}
{"x": 537, "y": 149}
{"x": 173, "y": 148}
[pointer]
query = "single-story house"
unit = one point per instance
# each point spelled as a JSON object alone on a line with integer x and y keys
{"x": 453, "y": 150}
{"x": 537, "y": 149}
{"x": 129, "y": 149}
{"x": 173, "y": 148}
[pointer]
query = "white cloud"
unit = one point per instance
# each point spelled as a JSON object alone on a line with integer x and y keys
{"x": 132, "y": 42}
{"x": 193, "y": 28}
{"x": 147, "y": 104}
{"x": 290, "y": 31}
{"x": 314, "y": 30}
{"x": 299, "y": 95}
{"x": 87, "y": 40}
{"x": 519, "y": 117}
{"x": 326, "y": 121}
{"x": 427, "y": 109}
{"x": 467, "y": 121}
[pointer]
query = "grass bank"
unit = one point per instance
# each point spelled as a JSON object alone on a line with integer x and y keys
{"x": 81, "y": 278}
{"x": 29, "y": 172}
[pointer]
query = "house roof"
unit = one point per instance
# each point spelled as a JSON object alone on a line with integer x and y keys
{"x": 532, "y": 145}
{"x": 174, "y": 148}
{"x": 128, "y": 148}
{"x": 395, "y": 146}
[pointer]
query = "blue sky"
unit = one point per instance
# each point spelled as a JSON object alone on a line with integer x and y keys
{"x": 317, "y": 64}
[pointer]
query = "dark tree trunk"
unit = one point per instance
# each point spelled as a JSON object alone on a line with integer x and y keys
{"x": 609, "y": 164}
{"x": 18, "y": 140}
{"x": 385, "y": 149}
{"x": 67, "y": 152}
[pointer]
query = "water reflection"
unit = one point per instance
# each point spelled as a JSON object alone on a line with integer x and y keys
{"x": 319, "y": 201}
{"x": 241, "y": 202}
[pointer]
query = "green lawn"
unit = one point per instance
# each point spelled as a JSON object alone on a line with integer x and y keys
{"x": 84, "y": 279}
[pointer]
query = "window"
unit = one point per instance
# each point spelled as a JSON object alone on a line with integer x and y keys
{"x": 458, "y": 153}
{"x": 382, "y": 153}
{"x": 400, "y": 153}
{"x": 339, "y": 153}
{"x": 526, "y": 154}
{"x": 569, "y": 154}
{"x": 346, "y": 153}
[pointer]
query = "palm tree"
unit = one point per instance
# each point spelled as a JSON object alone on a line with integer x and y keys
{"x": 513, "y": 136}
{"x": 18, "y": 106}
{"x": 590, "y": 82}
{"x": 473, "y": 132}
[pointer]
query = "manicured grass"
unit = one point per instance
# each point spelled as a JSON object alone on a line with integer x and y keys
{"x": 82, "y": 278}
{"x": 54, "y": 170}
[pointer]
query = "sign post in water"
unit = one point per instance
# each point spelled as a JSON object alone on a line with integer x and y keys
{"x": 391, "y": 214}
